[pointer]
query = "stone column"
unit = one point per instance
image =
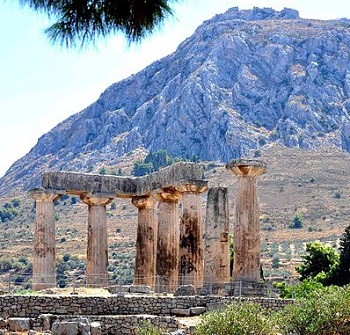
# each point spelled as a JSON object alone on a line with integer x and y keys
{"x": 217, "y": 246}
{"x": 168, "y": 240}
{"x": 246, "y": 264}
{"x": 191, "y": 234}
{"x": 97, "y": 247}
{"x": 44, "y": 257}
{"x": 146, "y": 242}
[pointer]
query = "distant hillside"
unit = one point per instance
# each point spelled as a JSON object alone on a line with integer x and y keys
{"x": 312, "y": 184}
{"x": 243, "y": 80}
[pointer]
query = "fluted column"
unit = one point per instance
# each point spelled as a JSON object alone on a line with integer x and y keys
{"x": 191, "y": 234}
{"x": 217, "y": 247}
{"x": 146, "y": 242}
{"x": 168, "y": 240}
{"x": 97, "y": 247}
{"x": 44, "y": 256}
{"x": 246, "y": 264}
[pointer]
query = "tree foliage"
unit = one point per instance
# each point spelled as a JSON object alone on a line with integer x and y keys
{"x": 9, "y": 210}
{"x": 156, "y": 160}
{"x": 141, "y": 168}
{"x": 320, "y": 262}
{"x": 343, "y": 271}
{"x": 300, "y": 290}
{"x": 85, "y": 21}
{"x": 297, "y": 221}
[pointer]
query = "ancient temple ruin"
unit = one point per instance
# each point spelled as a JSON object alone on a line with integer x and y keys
{"x": 169, "y": 248}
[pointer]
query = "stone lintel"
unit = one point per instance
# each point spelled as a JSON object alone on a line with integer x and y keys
{"x": 246, "y": 167}
{"x": 79, "y": 183}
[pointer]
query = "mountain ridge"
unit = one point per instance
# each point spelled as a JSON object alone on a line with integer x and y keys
{"x": 244, "y": 80}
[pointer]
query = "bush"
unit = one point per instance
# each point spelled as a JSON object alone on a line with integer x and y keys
{"x": 16, "y": 202}
{"x": 323, "y": 312}
{"x": 146, "y": 328}
{"x": 301, "y": 290}
{"x": 297, "y": 221}
{"x": 236, "y": 319}
{"x": 275, "y": 264}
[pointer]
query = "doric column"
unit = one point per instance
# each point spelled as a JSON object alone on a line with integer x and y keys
{"x": 191, "y": 234}
{"x": 168, "y": 240}
{"x": 217, "y": 247}
{"x": 97, "y": 247}
{"x": 44, "y": 257}
{"x": 246, "y": 264}
{"x": 146, "y": 242}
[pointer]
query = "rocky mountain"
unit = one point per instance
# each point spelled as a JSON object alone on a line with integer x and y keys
{"x": 244, "y": 80}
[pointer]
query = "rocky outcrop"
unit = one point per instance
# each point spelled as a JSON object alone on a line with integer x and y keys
{"x": 243, "y": 80}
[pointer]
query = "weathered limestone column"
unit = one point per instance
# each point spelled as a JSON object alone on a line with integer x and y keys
{"x": 217, "y": 246}
{"x": 168, "y": 240}
{"x": 44, "y": 257}
{"x": 146, "y": 242}
{"x": 191, "y": 234}
{"x": 247, "y": 228}
{"x": 97, "y": 247}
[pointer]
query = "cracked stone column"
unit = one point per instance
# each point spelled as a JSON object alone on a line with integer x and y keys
{"x": 167, "y": 267}
{"x": 44, "y": 257}
{"x": 217, "y": 246}
{"x": 191, "y": 234}
{"x": 146, "y": 242}
{"x": 247, "y": 227}
{"x": 97, "y": 247}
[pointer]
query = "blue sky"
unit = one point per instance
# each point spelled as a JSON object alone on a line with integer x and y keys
{"x": 41, "y": 85}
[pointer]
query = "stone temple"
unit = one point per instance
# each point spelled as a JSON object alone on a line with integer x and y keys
{"x": 173, "y": 245}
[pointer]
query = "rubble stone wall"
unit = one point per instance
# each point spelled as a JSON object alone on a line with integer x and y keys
{"x": 114, "y": 315}
{"x": 33, "y": 306}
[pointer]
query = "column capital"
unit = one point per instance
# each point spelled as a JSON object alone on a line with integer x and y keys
{"x": 195, "y": 186}
{"x": 143, "y": 201}
{"x": 246, "y": 167}
{"x": 96, "y": 199}
{"x": 43, "y": 195}
{"x": 168, "y": 194}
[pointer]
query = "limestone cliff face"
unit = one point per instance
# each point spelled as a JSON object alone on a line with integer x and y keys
{"x": 243, "y": 80}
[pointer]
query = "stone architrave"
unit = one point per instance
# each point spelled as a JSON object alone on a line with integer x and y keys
{"x": 146, "y": 241}
{"x": 191, "y": 234}
{"x": 97, "y": 246}
{"x": 168, "y": 240}
{"x": 247, "y": 228}
{"x": 217, "y": 247}
{"x": 44, "y": 257}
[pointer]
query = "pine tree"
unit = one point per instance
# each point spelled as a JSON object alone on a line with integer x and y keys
{"x": 343, "y": 273}
{"x": 84, "y": 21}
